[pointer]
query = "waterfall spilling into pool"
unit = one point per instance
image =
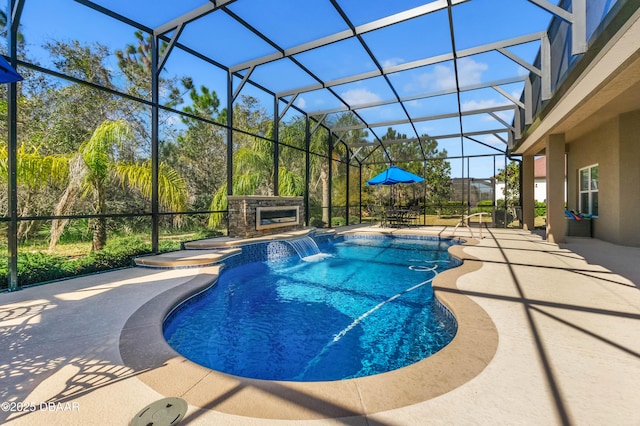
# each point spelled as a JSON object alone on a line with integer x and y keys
{"x": 307, "y": 249}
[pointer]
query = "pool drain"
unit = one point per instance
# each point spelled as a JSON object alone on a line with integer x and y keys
{"x": 165, "y": 412}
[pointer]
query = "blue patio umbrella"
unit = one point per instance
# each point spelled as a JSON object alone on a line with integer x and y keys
{"x": 7, "y": 73}
{"x": 393, "y": 175}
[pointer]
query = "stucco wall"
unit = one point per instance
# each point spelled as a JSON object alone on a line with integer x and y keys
{"x": 599, "y": 146}
{"x": 629, "y": 175}
{"x": 615, "y": 147}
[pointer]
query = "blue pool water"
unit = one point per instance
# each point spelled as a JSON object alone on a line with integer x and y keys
{"x": 367, "y": 309}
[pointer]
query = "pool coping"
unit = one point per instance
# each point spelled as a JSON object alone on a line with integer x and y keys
{"x": 143, "y": 348}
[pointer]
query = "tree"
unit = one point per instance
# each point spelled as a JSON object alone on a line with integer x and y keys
{"x": 59, "y": 117}
{"x": 3, "y": 30}
{"x": 511, "y": 190}
{"x": 320, "y": 165}
{"x": 437, "y": 173}
{"x": 436, "y": 170}
{"x": 35, "y": 174}
{"x": 199, "y": 153}
{"x": 95, "y": 164}
{"x": 253, "y": 169}
{"x": 403, "y": 155}
{"x": 134, "y": 61}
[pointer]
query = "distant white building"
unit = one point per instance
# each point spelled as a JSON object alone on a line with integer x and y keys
{"x": 540, "y": 182}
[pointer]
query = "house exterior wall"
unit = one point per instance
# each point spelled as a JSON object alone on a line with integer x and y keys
{"x": 599, "y": 146}
{"x": 597, "y": 110}
{"x": 615, "y": 147}
{"x": 629, "y": 177}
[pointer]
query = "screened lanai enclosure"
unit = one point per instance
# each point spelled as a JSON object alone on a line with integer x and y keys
{"x": 136, "y": 120}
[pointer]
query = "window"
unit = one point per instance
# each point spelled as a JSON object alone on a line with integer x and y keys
{"x": 589, "y": 190}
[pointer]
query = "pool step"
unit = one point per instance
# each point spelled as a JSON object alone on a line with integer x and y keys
{"x": 185, "y": 258}
{"x": 220, "y": 242}
{"x": 214, "y": 250}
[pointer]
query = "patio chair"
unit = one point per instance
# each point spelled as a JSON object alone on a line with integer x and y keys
{"x": 399, "y": 217}
{"x": 412, "y": 216}
{"x": 377, "y": 213}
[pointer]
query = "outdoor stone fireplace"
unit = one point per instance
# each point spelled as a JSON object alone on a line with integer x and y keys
{"x": 255, "y": 215}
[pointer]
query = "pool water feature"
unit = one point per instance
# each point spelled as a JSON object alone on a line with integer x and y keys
{"x": 367, "y": 309}
{"x": 307, "y": 248}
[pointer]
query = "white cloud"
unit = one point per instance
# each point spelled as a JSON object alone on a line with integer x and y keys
{"x": 359, "y": 96}
{"x": 470, "y": 71}
{"x": 392, "y": 62}
{"x": 488, "y": 103}
{"x": 494, "y": 141}
{"x": 505, "y": 115}
{"x": 442, "y": 77}
{"x": 301, "y": 103}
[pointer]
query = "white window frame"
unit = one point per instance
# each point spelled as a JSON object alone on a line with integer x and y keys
{"x": 591, "y": 189}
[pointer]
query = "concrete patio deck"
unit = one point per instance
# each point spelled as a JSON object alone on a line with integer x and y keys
{"x": 567, "y": 321}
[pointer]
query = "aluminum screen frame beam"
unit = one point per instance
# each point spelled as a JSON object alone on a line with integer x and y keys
{"x": 427, "y": 118}
{"x": 379, "y": 66}
{"x": 16, "y": 8}
{"x": 411, "y": 98}
{"x": 444, "y": 136}
{"x": 354, "y": 31}
{"x": 577, "y": 18}
{"x": 417, "y": 63}
{"x": 191, "y": 16}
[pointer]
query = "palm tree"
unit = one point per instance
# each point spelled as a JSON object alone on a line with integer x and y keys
{"x": 96, "y": 163}
{"x": 253, "y": 174}
{"x": 34, "y": 173}
{"x": 253, "y": 160}
{"x": 321, "y": 165}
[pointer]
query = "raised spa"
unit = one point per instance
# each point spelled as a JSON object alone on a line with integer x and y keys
{"x": 363, "y": 306}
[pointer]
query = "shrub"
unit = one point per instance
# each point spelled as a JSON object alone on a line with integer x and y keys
{"x": 485, "y": 206}
{"x": 317, "y": 222}
{"x": 541, "y": 208}
{"x": 76, "y": 231}
{"x": 501, "y": 217}
{"x": 41, "y": 267}
{"x": 38, "y": 267}
{"x": 338, "y": 221}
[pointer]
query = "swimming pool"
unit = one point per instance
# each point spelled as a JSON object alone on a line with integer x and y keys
{"x": 367, "y": 309}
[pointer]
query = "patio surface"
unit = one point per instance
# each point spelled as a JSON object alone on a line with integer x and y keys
{"x": 566, "y": 321}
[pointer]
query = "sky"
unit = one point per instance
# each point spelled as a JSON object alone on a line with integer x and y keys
{"x": 291, "y": 23}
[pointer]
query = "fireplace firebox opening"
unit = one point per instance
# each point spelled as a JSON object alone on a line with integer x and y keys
{"x": 274, "y": 217}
